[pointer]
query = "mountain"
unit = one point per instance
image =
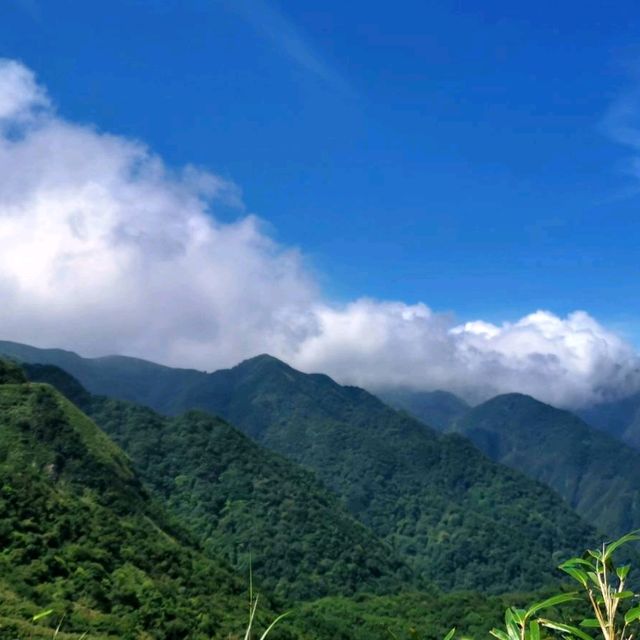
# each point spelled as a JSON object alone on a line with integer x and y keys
{"x": 132, "y": 379}
{"x": 619, "y": 418}
{"x": 438, "y": 409}
{"x": 596, "y": 474}
{"x": 455, "y": 516}
{"x": 441, "y": 504}
{"x": 241, "y": 499}
{"x": 81, "y": 535}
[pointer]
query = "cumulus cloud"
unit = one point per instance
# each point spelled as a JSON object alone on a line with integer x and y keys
{"x": 571, "y": 361}
{"x": 20, "y": 95}
{"x": 105, "y": 249}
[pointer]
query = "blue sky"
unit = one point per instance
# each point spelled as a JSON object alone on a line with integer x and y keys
{"x": 451, "y": 152}
{"x": 482, "y": 159}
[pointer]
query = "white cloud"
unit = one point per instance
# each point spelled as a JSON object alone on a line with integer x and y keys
{"x": 20, "y": 96}
{"x": 103, "y": 249}
{"x": 568, "y": 362}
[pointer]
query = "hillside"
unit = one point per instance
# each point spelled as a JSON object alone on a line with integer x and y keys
{"x": 456, "y": 517}
{"x": 239, "y": 498}
{"x": 81, "y": 535}
{"x": 618, "y": 418}
{"x": 132, "y": 379}
{"x": 596, "y": 474}
{"x": 438, "y": 501}
{"x": 438, "y": 409}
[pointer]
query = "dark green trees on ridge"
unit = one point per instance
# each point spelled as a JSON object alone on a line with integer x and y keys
{"x": 79, "y": 533}
{"x": 441, "y": 506}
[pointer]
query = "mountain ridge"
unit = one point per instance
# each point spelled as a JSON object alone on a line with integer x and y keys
{"x": 81, "y": 535}
{"x": 240, "y": 498}
{"x": 597, "y": 474}
{"x": 436, "y": 500}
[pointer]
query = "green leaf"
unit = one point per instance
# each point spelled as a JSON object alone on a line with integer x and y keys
{"x": 511, "y": 625}
{"x": 42, "y": 614}
{"x": 623, "y": 595}
{"x": 550, "y": 602}
{"x": 590, "y": 622}
{"x": 534, "y": 630}
{"x": 498, "y": 633}
{"x": 594, "y": 577}
{"x": 565, "y": 628}
{"x": 450, "y": 635}
{"x": 577, "y": 574}
{"x": 286, "y": 613}
{"x": 623, "y": 571}
{"x": 573, "y": 561}
{"x": 630, "y": 537}
{"x": 519, "y": 615}
{"x": 632, "y": 615}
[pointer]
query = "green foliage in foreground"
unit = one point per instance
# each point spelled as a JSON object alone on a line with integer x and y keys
{"x": 79, "y": 534}
{"x": 239, "y": 498}
{"x": 614, "y": 609}
{"x": 425, "y": 616}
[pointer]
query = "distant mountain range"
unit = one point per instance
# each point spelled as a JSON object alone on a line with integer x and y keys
{"x": 336, "y": 499}
{"x": 435, "y": 501}
{"x": 620, "y": 418}
{"x": 596, "y": 474}
{"x": 438, "y": 409}
{"x": 593, "y": 462}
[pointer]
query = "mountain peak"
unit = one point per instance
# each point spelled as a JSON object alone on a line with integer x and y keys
{"x": 262, "y": 361}
{"x": 515, "y": 398}
{"x": 262, "y": 357}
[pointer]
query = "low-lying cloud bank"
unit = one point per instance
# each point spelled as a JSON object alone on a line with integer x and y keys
{"x": 104, "y": 249}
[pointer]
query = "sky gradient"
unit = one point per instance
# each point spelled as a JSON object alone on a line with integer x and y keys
{"x": 480, "y": 160}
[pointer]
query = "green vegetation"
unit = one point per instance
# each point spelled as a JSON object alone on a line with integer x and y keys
{"x": 604, "y": 605}
{"x": 239, "y": 499}
{"x": 438, "y": 409}
{"x": 11, "y": 373}
{"x": 614, "y": 607}
{"x": 442, "y": 507}
{"x": 596, "y": 474}
{"x": 422, "y": 616}
{"x": 619, "y": 418}
{"x": 79, "y": 534}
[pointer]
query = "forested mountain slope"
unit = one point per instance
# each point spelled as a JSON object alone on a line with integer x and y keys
{"x": 619, "y": 418}
{"x": 436, "y": 500}
{"x": 438, "y": 409}
{"x": 80, "y": 534}
{"x": 595, "y": 473}
{"x": 140, "y": 381}
{"x": 241, "y": 499}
